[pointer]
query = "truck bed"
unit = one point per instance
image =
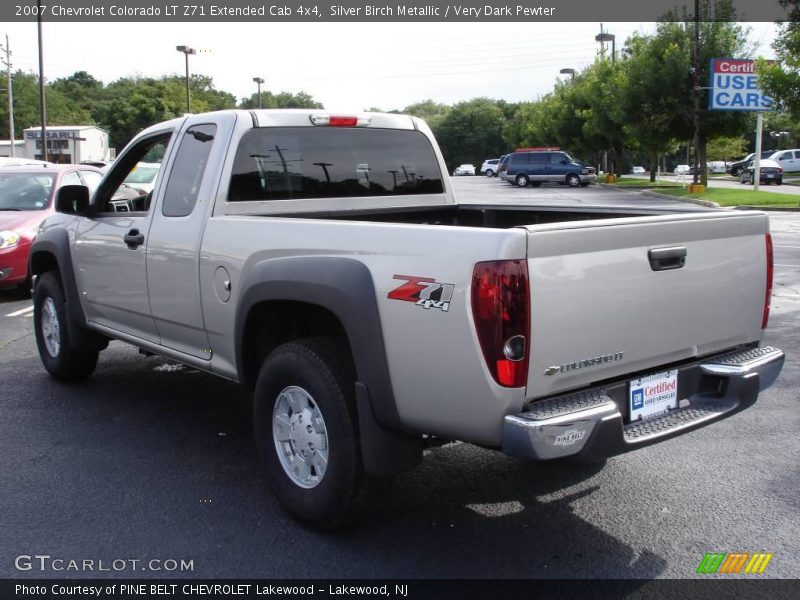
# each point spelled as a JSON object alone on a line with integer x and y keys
{"x": 491, "y": 216}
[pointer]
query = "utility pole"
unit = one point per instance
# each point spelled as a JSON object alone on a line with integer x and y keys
{"x": 42, "y": 105}
{"x": 7, "y": 63}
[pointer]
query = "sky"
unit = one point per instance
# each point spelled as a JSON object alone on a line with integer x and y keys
{"x": 346, "y": 66}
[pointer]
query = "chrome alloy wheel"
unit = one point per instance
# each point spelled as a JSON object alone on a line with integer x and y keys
{"x": 301, "y": 439}
{"x": 51, "y": 330}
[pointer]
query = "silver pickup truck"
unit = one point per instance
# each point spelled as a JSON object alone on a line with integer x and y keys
{"x": 322, "y": 261}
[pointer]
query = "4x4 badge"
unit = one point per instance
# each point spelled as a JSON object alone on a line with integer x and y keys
{"x": 423, "y": 291}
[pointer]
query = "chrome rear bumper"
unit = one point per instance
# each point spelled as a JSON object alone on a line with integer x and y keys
{"x": 590, "y": 425}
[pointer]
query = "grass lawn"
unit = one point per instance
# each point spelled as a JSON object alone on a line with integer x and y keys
{"x": 727, "y": 197}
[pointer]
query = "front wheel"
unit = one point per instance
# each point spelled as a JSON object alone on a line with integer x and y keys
{"x": 306, "y": 431}
{"x": 573, "y": 180}
{"x": 522, "y": 180}
{"x": 58, "y": 356}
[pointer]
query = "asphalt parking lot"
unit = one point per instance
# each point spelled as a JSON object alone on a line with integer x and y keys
{"x": 149, "y": 460}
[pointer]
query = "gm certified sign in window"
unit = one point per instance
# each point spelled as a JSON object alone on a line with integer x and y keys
{"x": 734, "y": 86}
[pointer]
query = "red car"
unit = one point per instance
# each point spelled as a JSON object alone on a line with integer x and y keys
{"x": 26, "y": 199}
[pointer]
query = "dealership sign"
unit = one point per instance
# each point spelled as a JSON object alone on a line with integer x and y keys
{"x": 734, "y": 86}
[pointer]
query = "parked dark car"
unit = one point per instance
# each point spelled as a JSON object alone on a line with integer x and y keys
{"x": 737, "y": 167}
{"x": 535, "y": 167}
{"x": 771, "y": 172}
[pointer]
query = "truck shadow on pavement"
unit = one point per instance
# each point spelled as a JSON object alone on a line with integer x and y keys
{"x": 150, "y": 459}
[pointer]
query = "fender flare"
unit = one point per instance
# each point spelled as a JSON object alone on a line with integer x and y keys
{"x": 345, "y": 288}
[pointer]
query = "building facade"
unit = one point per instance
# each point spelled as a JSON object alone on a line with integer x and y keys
{"x": 68, "y": 144}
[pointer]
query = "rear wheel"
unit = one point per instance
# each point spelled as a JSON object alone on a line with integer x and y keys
{"x": 58, "y": 356}
{"x": 522, "y": 180}
{"x": 573, "y": 180}
{"x": 489, "y": 173}
{"x": 306, "y": 431}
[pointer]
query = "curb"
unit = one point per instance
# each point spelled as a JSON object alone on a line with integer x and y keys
{"x": 706, "y": 203}
{"x": 769, "y": 208}
{"x": 649, "y": 192}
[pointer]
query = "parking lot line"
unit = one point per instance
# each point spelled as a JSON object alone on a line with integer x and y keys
{"x": 17, "y": 313}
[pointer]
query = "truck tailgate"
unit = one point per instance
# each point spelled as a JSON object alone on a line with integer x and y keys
{"x": 605, "y": 302}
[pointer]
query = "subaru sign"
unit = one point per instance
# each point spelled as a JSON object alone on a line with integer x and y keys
{"x": 734, "y": 86}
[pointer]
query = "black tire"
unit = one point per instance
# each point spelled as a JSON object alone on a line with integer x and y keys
{"x": 779, "y": 182}
{"x": 573, "y": 180}
{"x": 521, "y": 180}
{"x": 61, "y": 360}
{"x": 317, "y": 367}
{"x": 489, "y": 173}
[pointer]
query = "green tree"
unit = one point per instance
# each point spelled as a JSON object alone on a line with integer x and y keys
{"x": 61, "y": 108}
{"x": 654, "y": 69}
{"x": 280, "y": 100}
{"x": 720, "y": 36}
{"x": 725, "y": 148}
{"x": 781, "y": 80}
{"x": 431, "y": 112}
{"x": 132, "y": 104}
{"x": 471, "y": 132}
{"x": 81, "y": 88}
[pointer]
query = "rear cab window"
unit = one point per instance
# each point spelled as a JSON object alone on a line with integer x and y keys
{"x": 314, "y": 163}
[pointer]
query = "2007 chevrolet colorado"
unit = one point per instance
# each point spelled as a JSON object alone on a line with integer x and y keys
{"x": 322, "y": 261}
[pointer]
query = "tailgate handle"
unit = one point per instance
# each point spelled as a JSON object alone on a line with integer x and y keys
{"x": 666, "y": 259}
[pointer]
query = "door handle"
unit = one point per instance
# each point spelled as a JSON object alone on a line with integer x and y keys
{"x": 666, "y": 259}
{"x": 133, "y": 239}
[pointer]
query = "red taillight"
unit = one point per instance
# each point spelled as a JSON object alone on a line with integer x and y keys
{"x": 500, "y": 307}
{"x": 343, "y": 121}
{"x": 779, "y": 170}
{"x": 770, "y": 270}
{"x": 340, "y": 120}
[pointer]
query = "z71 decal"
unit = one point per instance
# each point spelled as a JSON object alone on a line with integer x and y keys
{"x": 423, "y": 291}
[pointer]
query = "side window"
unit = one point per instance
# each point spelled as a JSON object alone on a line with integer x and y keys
{"x": 91, "y": 179}
{"x": 556, "y": 158}
{"x": 540, "y": 158}
{"x": 129, "y": 185}
{"x": 797, "y": 154}
{"x": 71, "y": 178}
{"x": 187, "y": 171}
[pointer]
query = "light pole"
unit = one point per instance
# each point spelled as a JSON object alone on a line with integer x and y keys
{"x": 187, "y": 51}
{"x": 604, "y": 37}
{"x": 42, "y": 106}
{"x": 696, "y": 104}
{"x": 568, "y": 71}
{"x": 259, "y": 81}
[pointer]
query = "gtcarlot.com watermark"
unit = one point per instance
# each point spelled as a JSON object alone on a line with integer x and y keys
{"x": 45, "y": 563}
